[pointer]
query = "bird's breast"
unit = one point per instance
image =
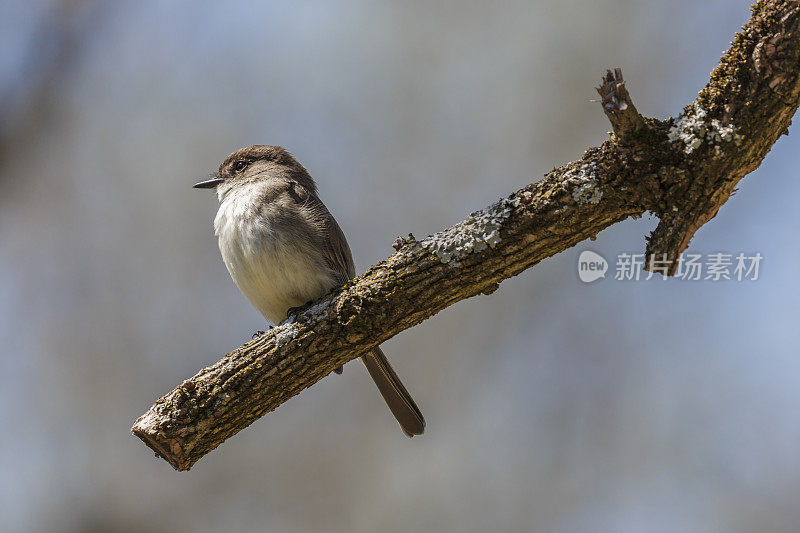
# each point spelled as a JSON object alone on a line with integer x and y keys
{"x": 269, "y": 254}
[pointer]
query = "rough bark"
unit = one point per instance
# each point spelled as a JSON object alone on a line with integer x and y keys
{"x": 680, "y": 169}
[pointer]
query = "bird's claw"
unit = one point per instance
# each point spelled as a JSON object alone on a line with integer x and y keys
{"x": 294, "y": 311}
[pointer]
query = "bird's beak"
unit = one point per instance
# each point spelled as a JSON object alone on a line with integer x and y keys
{"x": 209, "y": 183}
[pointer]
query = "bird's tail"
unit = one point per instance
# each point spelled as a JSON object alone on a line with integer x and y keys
{"x": 397, "y": 397}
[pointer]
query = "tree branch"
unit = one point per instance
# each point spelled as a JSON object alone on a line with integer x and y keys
{"x": 681, "y": 169}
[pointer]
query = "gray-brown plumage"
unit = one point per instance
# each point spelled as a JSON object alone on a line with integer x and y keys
{"x": 283, "y": 249}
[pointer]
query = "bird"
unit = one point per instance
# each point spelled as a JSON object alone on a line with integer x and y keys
{"x": 283, "y": 249}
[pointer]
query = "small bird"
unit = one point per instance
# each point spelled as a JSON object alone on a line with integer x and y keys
{"x": 283, "y": 249}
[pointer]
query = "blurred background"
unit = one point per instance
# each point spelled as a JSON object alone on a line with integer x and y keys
{"x": 552, "y": 405}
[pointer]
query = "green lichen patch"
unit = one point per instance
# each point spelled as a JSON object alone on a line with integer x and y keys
{"x": 475, "y": 233}
{"x": 285, "y": 332}
{"x": 583, "y": 182}
{"x": 693, "y": 128}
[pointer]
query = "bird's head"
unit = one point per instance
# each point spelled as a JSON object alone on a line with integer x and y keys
{"x": 253, "y": 164}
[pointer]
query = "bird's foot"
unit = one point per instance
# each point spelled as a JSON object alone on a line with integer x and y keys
{"x": 261, "y": 332}
{"x": 295, "y": 311}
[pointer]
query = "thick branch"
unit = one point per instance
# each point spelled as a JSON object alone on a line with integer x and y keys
{"x": 683, "y": 170}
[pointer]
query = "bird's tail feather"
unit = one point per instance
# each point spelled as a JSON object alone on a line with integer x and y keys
{"x": 397, "y": 397}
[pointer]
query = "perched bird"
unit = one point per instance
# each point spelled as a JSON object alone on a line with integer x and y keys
{"x": 283, "y": 249}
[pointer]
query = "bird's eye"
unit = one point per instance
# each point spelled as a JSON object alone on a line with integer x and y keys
{"x": 239, "y": 166}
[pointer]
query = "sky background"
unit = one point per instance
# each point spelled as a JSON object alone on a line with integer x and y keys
{"x": 551, "y": 405}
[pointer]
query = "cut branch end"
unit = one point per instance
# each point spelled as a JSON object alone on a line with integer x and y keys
{"x": 618, "y": 106}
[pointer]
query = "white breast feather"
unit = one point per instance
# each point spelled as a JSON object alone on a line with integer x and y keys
{"x": 272, "y": 272}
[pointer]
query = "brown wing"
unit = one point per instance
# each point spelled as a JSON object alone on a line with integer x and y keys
{"x": 337, "y": 251}
{"x": 335, "y": 248}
